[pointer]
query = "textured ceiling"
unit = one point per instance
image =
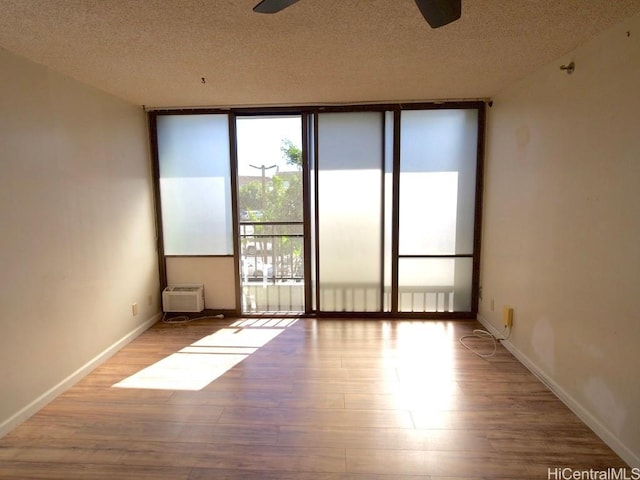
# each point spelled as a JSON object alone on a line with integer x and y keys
{"x": 156, "y": 52}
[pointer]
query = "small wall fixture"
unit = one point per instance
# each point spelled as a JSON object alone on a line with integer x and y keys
{"x": 568, "y": 68}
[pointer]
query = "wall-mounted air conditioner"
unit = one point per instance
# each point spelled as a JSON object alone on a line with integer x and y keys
{"x": 183, "y": 298}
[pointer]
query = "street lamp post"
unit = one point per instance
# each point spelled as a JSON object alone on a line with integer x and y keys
{"x": 264, "y": 184}
{"x": 264, "y": 168}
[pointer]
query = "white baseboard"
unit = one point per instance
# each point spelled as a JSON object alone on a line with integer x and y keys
{"x": 22, "y": 415}
{"x": 631, "y": 458}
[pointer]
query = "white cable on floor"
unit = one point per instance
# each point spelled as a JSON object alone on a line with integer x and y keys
{"x": 186, "y": 319}
{"x": 484, "y": 334}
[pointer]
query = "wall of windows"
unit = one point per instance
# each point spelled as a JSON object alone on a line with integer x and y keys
{"x": 389, "y": 206}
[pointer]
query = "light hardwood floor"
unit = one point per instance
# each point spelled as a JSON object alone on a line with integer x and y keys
{"x": 321, "y": 399}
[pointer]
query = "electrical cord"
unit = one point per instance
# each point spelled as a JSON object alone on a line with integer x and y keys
{"x": 484, "y": 334}
{"x": 186, "y": 318}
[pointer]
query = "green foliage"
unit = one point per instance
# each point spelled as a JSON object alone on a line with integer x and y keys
{"x": 291, "y": 153}
{"x": 250, "y": 196}
{"x": 278, "y": 199}
{"x": 284, "y": 199}
{"x": 282, "y": 193}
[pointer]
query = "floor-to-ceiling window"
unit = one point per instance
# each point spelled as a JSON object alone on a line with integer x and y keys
{"x": 437, "y": 186}
{"x": 270, "y": 212}
{"x": 349, "y": 184}
{"x": 363, "y": 210}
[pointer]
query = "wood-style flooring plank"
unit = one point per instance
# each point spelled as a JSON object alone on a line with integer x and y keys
{"x": 218, "y": 474}
{"x": 318, "y": 417}
{"x": 244, "y": 458}
{"x": 387, "y": 438}
{"x": 88, "y": 471}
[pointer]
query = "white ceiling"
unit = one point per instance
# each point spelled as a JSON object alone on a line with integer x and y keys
{"x": 156, "y": 52}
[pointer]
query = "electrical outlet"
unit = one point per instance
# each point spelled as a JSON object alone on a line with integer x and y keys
{"x": 134, "y": 309}
{"x": 507, "y": 316}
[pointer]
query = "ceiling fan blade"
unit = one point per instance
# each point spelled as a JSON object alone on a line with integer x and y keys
{"x": 440, "y": 12}
{"x": 273, "y": 6}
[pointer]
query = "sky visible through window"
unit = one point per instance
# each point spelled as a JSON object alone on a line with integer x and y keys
{"x": 259, "y": 140}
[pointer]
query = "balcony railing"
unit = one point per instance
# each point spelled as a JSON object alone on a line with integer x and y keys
{"x": 272, "y": 266}
{"x": 272, "y": 273}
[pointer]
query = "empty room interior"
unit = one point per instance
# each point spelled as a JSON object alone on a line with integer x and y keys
{"x": 334, "y": 239}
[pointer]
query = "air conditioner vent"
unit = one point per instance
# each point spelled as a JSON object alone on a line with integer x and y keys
{"x": 183, "y": 298}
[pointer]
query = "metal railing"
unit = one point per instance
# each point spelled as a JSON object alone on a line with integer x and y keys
{"x": 350, "y": 297}
{"x": 272, "y": 274}
{"x": 272, "y": 266}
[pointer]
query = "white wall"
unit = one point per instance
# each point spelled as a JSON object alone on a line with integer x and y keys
{"x": 561, "y": 229}
{"x": 77, "y": 245}
{"x": 217, "y": 274}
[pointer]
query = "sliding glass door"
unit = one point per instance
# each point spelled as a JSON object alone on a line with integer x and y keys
{"x": 437, "y": 199}
{"x": 395, "y": 232}
{"x": 270, "y": 213}
{"x": 349, "y": 185}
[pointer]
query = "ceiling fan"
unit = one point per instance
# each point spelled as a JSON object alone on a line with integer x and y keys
{"x": 436, "y": 12}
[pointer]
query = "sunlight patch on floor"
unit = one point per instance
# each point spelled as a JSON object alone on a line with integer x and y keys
{"x": 197, "y": 365}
